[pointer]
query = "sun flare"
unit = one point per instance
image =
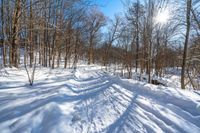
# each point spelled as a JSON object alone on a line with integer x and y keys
{"x": 162, "y": 17}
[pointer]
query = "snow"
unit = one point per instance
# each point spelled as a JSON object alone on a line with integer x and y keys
{"x": 90, "y": 100}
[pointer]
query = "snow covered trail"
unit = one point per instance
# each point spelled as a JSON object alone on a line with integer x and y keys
{"x": 89, "y": 100}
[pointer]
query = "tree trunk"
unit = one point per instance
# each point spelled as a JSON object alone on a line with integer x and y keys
{"x": 15, "y": 30}
{"x": 3, "y": 37}
{"x": 31, "y": 53}
{"x": 189, "y": 4}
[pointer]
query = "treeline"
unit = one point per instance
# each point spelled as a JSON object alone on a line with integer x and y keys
{"x": 63, "y": 31}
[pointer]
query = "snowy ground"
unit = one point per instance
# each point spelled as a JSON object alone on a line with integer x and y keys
{"x": 90, "y": 100}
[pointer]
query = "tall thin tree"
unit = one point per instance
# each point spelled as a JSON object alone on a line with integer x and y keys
{"x": 188, "y": 25}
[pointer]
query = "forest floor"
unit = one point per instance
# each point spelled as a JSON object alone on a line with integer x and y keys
{"x": 90, "y": 100}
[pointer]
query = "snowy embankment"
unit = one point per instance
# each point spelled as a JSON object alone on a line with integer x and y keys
{"x": 90, "y": 100}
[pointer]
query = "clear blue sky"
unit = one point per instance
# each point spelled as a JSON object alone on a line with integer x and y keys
{"x": 110, "y": 7}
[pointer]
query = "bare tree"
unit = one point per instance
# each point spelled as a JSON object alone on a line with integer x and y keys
{"x": 113, "y": 34}
{"x": 31, "y": 72}
{"x": 15, "y": 38}
{"x": 188, "y": 25}
{"x": 3, "y": 34}
{"x": 94, "y": 22}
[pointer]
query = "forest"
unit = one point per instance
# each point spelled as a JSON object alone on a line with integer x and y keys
{"x": 66, "y": 66}
{"x": 69, "y": 31}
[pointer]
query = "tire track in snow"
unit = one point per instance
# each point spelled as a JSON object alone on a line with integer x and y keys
{"x": 146, "y": 111}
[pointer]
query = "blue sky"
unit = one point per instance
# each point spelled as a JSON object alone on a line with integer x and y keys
{"x": 110, "y": 7}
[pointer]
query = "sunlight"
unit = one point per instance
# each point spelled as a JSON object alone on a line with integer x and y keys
{"x": 162, "y": 17}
